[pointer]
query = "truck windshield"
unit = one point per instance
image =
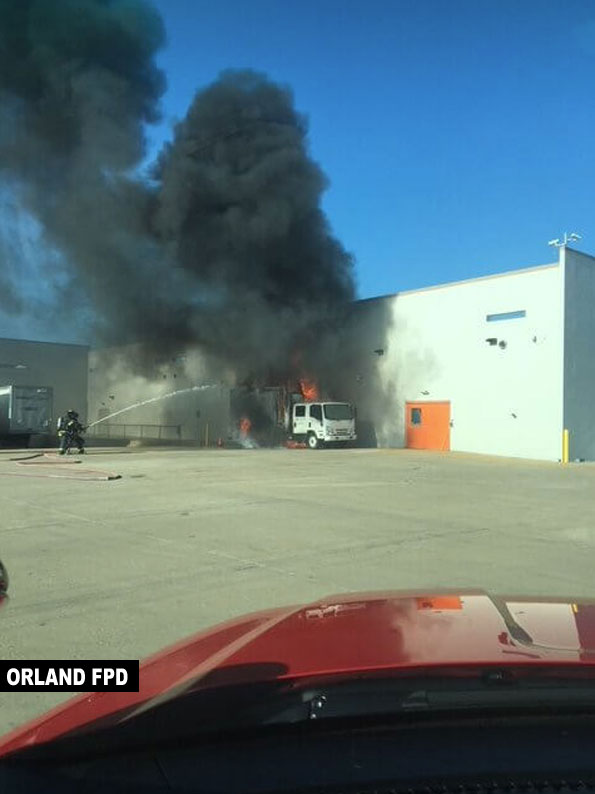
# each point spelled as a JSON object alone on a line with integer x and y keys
{"x": 338, "y": 411}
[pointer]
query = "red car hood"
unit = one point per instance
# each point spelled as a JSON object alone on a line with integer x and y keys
{"x": 343, "y": 635}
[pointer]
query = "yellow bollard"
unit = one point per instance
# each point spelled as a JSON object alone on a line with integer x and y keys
{"x": 565, "y": 446}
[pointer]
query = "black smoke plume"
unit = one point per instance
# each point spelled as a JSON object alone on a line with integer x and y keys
{"x": 239, "y": 211}
{"x": 225, "y": 246}
{"x": 77, "y": 84}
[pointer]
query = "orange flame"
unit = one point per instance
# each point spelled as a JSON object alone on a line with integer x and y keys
{"x": 245, "y": 426}
{"x": 309, "y": 390}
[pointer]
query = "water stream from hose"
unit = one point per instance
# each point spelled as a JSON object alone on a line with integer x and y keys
{"x": 147, "y": 402}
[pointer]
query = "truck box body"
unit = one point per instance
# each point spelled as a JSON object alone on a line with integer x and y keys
{"x": 265, "y": 408}
{"x": 25, "y": 410}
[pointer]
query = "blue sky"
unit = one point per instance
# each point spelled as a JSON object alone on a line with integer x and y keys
{"x": 457, "y": 135}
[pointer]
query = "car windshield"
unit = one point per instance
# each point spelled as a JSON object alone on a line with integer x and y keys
{"x": 338, "y": 411}
{"x": 296, "y": 306}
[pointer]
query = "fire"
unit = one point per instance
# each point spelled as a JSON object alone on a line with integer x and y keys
{"x": 245, "y": 427}
{"x": 309, "y": 390}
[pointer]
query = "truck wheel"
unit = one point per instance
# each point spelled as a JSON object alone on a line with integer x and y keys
{"x": 313, "y": 442}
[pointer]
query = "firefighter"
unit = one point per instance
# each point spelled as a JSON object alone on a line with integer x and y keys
{"x": 70, "y": 431}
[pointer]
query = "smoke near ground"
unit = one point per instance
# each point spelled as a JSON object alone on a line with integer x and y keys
{"x": 225, "y": 247}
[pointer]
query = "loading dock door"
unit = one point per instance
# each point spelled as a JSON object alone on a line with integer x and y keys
{"x": 427, "y": 425}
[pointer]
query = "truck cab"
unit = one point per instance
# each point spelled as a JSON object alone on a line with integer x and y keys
{"x": 322, "y": 423}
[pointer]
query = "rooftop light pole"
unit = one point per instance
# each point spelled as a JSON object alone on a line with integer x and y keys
{"x": 568, "y": 238}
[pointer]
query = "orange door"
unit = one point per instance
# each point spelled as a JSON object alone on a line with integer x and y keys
{"x": 427, "y": 425}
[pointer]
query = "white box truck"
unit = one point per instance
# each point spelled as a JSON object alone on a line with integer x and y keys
{"x": 25, "y": 411}
{"x": 274, "y": 415}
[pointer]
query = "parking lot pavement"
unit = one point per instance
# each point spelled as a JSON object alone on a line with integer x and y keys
{"x": 118, "y": 569}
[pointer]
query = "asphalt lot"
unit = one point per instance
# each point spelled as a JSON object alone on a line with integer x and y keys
{"x": 186, "y": 538}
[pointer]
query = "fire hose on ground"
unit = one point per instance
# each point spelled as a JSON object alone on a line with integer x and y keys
{"x": 51, "y": 465}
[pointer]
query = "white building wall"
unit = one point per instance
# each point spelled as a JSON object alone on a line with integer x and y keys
{"x": 579, "y": 353}
{"x": 503, "y": 401}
